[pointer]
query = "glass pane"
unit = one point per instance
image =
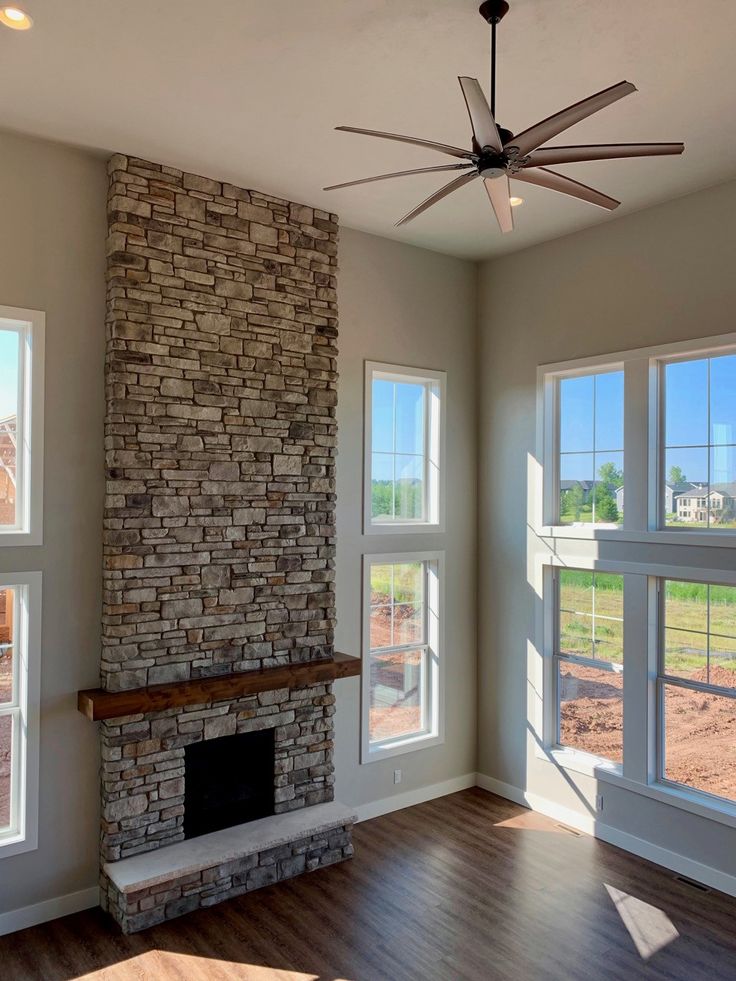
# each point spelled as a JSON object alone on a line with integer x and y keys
{"x": 722, "y": 662}
{"x": 9, "y": 354}
{"x": 382, "y": 486}
{"x": 686, "y": 490}
{"x": 576, "y": 483}
{"x": 6, "y": 738}
{"x": 700, "y": 740}
{"x": 397, "y": 695}
{"x": 686, "y": 412}
{"x": 723, "y": 399}
{"x": 722, "y": 499}
{"x": 576, "y": 591}
{"x": 686, "y": 605}
{"x": 409, "y": 487}
{"x": 382, "y": 426}
{"x": 591, "y": 710}
{"x": 609, "y": 411}
{"x": 6, "y": 644}
{"x": 408, "y": 582}
{"x": 408, "y": 624}
{"x": 381, "y": 589}
{"x": 723, "y": 610}
{"x": 686, "y": 654}
{"x": 576, "y": 634}
{"x": 576, "y": 414}
{"x": 608, "y": 491}
{"x": 576, "y": 612}
{"x": 381, "y": 627}
{"x": 410, "y": 418}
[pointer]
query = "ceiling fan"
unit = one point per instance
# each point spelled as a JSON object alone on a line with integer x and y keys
{"x": 498, "y": 154}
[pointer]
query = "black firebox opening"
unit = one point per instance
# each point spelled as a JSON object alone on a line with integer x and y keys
{"x": 229, "y": 781}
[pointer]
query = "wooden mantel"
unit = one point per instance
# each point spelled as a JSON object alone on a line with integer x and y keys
{"x": 97, "y": 704}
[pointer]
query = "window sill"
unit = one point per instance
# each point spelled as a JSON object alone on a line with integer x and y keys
{"x": 401, "y": 747}
{"x": 403, "y": 528}
{"x": 15, "y": 537}
{"x": 15, "y": 843}
{"x": 663, "y": 536}
{"x": 692, "y": 801}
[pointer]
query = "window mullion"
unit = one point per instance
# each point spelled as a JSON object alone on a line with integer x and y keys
{"x": 636, "y": 449}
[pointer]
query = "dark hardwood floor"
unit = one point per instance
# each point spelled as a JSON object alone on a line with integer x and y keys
{"x": 465, "y": 887}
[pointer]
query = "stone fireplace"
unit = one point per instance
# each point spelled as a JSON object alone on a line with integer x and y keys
{"x": 217, "y": 662}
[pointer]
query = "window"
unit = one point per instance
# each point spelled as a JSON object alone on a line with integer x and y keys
{"x": 404, "y": 415}
{"x": 653, "y": 586}
{"x": 589, "y": 655}
{"x": 697, "y": 686}
{"x": 21, "y": 434}
{"x": 402, "y": 674}
{"x": 699, "y": 440}
{"x": 591, "y": 448}
{"x": 19, "y": 683}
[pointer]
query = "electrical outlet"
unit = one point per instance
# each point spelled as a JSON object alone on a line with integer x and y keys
{"x": 397, "y": 776}
{"x": 599, "y": 802}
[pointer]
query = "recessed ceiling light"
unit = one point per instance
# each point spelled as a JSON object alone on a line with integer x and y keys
{"x": 515, "y": 202}
{"x": 15, "y": 18}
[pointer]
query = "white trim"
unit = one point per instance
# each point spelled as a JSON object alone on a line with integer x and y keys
{"x": 31, "y": 326}
{"x": 673, "y": 861}
{"x": 435, "y": 641}
{"x": 49, "y": 909}
{"x": 23, "y": 833}
{"x": 409, "y": 798}
{"x": 435, "y": 384}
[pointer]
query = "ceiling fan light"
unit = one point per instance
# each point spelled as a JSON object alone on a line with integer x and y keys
{"x": 515, "y": 202}
{"x": 15, "y": 18}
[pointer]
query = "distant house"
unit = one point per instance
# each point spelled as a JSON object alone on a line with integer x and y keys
{"x": 697, "y": 503}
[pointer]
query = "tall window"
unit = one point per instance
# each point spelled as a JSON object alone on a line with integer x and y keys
{"x": 21, "y": 436}
{"x": 401, "y": 689}
{"x": 589, "y": 660}
{"x": 699, "y": 486}
{"x": 403, "y": 467}
{"x": 20, "y": 600}
{"x": 666, "y": 550}
{"x": 591, "y": 449}
{"x": 697, "y": 686}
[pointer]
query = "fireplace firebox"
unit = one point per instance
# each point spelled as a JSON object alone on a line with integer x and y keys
{"x": 228, "y": 781}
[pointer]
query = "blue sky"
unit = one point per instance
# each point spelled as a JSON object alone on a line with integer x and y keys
{"x": 688, "y": 408}
{"x": 8, "y": 372}
{"x": 398, "y": 428}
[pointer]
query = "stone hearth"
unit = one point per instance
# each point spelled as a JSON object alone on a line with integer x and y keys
{"x": 219, "y": 533}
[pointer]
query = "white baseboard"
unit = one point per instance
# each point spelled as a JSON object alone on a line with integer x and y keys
{"x": 376, "y": 808}
{"x": 50, "y": 909}
{"x": 630, "y": 843}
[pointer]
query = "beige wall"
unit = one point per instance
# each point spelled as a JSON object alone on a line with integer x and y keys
{"x": 665, "y": 274}
{"x": 52, "y": 249}
{"x": 407, "y": 306}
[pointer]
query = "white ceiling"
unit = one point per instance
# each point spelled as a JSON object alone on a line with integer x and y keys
{"x": 250, "y": 91}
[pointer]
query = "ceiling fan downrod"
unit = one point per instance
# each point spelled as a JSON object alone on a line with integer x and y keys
{"x": 493, "y": 11}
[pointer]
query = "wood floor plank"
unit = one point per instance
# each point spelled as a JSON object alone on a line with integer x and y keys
{"x": 469, "y": 887}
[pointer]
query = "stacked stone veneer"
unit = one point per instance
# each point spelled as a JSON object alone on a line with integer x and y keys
{"x": 220, "y": 428}
{"x": 219, "y": 524}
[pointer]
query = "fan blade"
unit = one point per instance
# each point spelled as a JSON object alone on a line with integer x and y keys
{"x": 438, "y": 195}
{"x": 485, "y": 132}
{"x": 535, "y": 136}
{"x": 400, "y": 173}
{"x": 610, "y": 151}
{"x": 566, "y": 185}
{"x": 499, "y": 193}
{"x": 453, "y": 151}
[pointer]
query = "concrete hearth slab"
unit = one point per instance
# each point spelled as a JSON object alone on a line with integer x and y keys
{"x": 164, "y": 864}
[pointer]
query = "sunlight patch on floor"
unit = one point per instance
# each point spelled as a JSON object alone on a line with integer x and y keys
{"x": 156, "y": 963}
{"x": 650, "y": 928}
{"x": 530, "y": 821}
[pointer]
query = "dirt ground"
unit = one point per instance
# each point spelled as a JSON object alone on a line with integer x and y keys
{"x": 701, "y": 729}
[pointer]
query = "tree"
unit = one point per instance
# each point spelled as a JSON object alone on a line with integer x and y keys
{"x": 676, "y": 476}
{"x": 611, "y": 476}
{"x": 573, "y": 501}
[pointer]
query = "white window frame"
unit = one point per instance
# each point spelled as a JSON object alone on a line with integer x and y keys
{"x": 642, "y": 551}
{"x": 435, "y": 383}
{"x": 435, "y": 613}
{"x": 22, "y": 836}
{"x": 30, "y": 326}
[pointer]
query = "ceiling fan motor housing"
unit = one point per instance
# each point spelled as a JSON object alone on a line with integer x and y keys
{"x": 492, "y": 164}
{"x": 493, "y": 10}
